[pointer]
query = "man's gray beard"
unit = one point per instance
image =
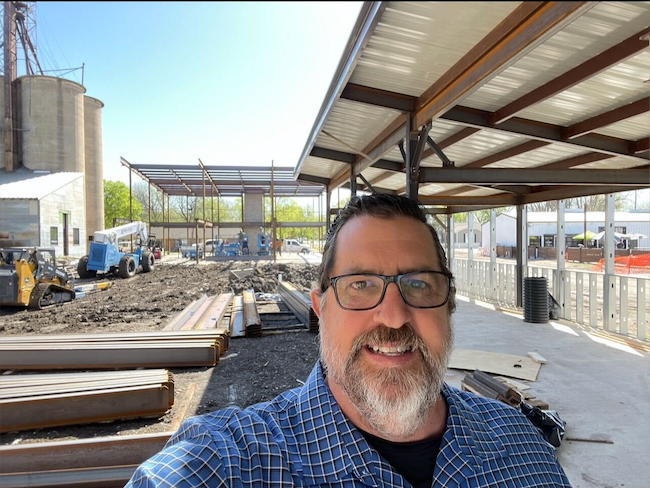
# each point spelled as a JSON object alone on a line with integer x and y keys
{"x": 394, "y": 401}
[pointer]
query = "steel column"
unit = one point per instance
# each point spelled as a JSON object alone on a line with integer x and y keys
{"x": 353, "y": 182}
{"x": 561, "y": 257}
{"x": 493, "y": 254}
{"x": 609, "y": 290}
{"x": 521, "y": 250}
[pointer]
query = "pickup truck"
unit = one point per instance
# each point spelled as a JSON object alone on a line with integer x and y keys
{"x": 292, "y": 245}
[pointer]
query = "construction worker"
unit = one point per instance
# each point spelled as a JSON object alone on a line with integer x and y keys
{"x": 375, "y": 410}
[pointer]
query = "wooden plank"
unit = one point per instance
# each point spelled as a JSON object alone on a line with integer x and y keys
{"x": 496, "y": 363}
{"x": 536, "y": 357}
{"x": 517, "y": 385}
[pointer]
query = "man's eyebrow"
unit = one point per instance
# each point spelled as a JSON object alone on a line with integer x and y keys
{"x": 411, "y": 269}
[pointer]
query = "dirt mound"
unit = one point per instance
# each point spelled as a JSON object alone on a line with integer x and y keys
{"x": 148, "y": 300}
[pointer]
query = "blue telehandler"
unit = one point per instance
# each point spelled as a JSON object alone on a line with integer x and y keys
{"x": 106, "y": 257}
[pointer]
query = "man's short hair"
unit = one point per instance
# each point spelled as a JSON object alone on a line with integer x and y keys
{"x": 383, "y": 206}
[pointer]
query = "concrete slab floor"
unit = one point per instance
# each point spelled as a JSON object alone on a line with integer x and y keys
{"x": 600, "y": 387}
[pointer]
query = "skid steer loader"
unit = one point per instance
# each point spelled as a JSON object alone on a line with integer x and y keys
{"x": 30, "y": 278}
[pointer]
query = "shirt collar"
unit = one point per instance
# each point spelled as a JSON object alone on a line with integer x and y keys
{"x": 333, "y": 449}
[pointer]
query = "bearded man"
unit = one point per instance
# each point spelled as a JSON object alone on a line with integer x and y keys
{"x": 375, "y": 410}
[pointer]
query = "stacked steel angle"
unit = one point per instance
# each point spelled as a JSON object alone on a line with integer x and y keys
{"x": 299, "y": 303}
{"x": 33, "y": 401}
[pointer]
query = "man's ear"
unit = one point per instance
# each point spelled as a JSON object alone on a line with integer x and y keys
{"x": 316, "y": 296}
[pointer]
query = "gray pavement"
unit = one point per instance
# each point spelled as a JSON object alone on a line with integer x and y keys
{"x": 599, "y": 386}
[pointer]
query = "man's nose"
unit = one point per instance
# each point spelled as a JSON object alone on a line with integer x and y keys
{"x": 393, "y": 310}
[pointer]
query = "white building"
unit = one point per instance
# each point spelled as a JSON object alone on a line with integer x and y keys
{"x": 542, "y": 227}
{"x": 46, "y": 210}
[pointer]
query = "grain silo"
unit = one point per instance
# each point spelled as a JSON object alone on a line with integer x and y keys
{"x": 94, "y": 165}
{"x": 51, "y": 123}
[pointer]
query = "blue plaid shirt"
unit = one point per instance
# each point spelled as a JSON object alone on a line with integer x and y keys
{"x": 302, "y": 438}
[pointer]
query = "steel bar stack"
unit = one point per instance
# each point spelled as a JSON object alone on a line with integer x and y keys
{"x": 103, "y": 461}
{"x": 159, "y": 349}
{"x": 203, "y": 313}
{"x": 299, "y": 303}
{"x": 485, "y": 385}
{"x": 50, "y": 400}
{"x": 252, "y": 322}
{"x": 237, "y": 317}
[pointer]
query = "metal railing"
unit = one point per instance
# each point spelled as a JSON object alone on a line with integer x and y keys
{"x": 581, "y": 294}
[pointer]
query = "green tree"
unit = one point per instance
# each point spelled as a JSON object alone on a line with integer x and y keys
{"x": 116, "y": 203}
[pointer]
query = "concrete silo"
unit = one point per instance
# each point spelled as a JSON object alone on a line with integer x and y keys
{"x": 51, "y": 123}
{"x": 94, "y": 165}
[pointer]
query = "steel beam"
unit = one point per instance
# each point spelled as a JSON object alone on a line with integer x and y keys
{"x": 541, "y": 132}
{"x": 506, "y": 153}
{"x": 608, "y": 118}
{"x": 502, "y": 199}
{"x": 528, "y": 25}
{"x": 574, "y": 191}
{"x": 378, "y": 97}
{"x": 611, "y": 57}
{"x": 340, "y": 156}
{"x": 517, "y": 176}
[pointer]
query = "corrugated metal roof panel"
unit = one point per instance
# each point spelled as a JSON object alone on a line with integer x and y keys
{"x": 325, "y": 168}
{"x": 356, "y": 124}
{"x": 539, "y": 157}
{"x": 630, "y": 129}
{"x": 617, "y": 86}
{"x": 431, "y": 188}
{"x": 475, "y": 147}
{"x": 605, "y": 25}
{"x": 33, "y": 186}
{"x": 611, "y": 163}
{"x": 417, "y": 42}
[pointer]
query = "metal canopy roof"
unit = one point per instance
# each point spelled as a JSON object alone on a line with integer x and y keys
{"x": 531, "y": 101}
{"x": 226, "y": 181}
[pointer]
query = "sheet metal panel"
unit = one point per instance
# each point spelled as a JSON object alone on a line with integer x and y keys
{"x": 617, "y": 86}
{"x": 631, "y": 129}
{"x": 432, "y": 188}
{"x": 538, "y": 157}
{"x": 34, "y": 185}
{"x": 324, "y": 168}
{"x": 417, "y": 42}
{"x": 476, "y": 146}
{"x": 602, "y": 27}
{"x": 356, "y": 124}
{"x": 611, "y": 163}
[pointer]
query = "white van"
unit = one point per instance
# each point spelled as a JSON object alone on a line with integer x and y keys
{"x": 292, "y": 245}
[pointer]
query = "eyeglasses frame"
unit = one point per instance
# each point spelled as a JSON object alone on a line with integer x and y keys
{"x": 387, "y": 279}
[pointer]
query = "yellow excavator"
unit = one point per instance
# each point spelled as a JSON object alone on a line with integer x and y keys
{"x": 30, "y": 278}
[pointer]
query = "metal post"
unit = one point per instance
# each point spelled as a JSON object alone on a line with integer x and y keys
{"x": 214, "y": 244}
{"x": 353, "y": 182}
{"x": 203, "y": 216}
{"x": 560, "y": 276}
{"x": 162, "y": 194}
{"x": 328, "y": 197}
{"x": 10, "y": 73}
{"x": 149, "y": 213}
{"x": 450, "y": 241}
{"x": 470, "y": 253}
{"x": 493, "y": 254}
{"x": 273, "y": 226}
{"x": 187, "y": 211}
{"x": 197, "y": 241}
{"x": 609, "y": 281}
{"x": 519, "y": 275}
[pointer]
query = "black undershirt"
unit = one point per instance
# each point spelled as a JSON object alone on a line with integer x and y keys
{"x": 415, "y": 461}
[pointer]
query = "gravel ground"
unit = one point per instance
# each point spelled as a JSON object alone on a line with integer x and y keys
{"x": 251, "y": 371}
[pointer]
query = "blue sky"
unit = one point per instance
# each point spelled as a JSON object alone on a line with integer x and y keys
{"x": 231, "y": 83}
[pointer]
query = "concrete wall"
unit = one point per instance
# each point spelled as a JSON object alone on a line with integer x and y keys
{"x": 51, "y": 121}
{"x": 94, "y": 165}
{"x": 253, "y": 212}
{"x": 67, "y": 200}
{"x": 19, "y": 223}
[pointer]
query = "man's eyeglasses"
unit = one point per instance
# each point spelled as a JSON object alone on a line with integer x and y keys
{"x": 421, "y": 289}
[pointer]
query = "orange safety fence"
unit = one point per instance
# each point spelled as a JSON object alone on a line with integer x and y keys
{"x": 635, "y": 264}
